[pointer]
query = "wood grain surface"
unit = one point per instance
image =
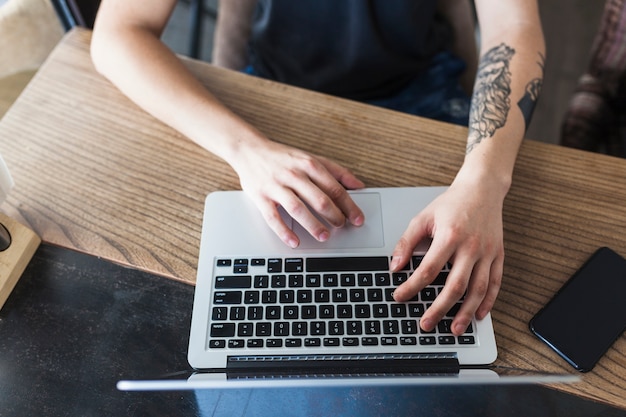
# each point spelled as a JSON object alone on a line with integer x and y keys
{"x": 95, "y": 173}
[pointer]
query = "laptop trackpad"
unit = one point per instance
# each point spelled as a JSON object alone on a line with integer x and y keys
{"x": 370, "y": 235}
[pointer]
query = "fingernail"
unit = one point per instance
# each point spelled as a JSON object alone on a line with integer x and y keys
{"x": 323, "y": 237}
{"x": 358, "y": 221}
{"x": 460, "y": 327}
{"x": 293, "y": 243}
{"x": 426, "y": 324}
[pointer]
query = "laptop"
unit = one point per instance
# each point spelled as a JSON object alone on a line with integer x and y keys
{"x": 265, "y": 314}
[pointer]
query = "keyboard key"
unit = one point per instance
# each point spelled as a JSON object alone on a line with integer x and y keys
{"x": 388, "y": 341}
{"x": 399, "y": 278}
{"x": 312, "y": 342}
{"x": 217, "y": 344}
{"x": 299, "y": 328}
{"x": 313, "y": 280}
{"x": 348, "y": 280}
{"x": 245, "y": 329}
{"x": 251, "y": 297}
{"x": 408, "y": 340}
{"x": 223, "y": 262}
{"x": 354, "y": 328}
{"x": 427, "y": 340}
{"x": 391, "y": 327}
{"x": 445, "y": 326}
{"x": 365, "y": 280}
{"x": 331, "y": 341}
{"x": 330, "y": 280}
{"x": 274, "y": 343}
{"x": 350, "y": 341}
{"x": 219, "y": 313}
{"x": 428, "y": 294}
{"x": 362, "y": 311}
{"x": 372, "y": 327}
{"x": 466, "y": 340}
{"x": 344, "y": 311}
{"x": 304, "y": 296}
{"x": 281, "y": 328}
{"x": 292, "y": 343}
{"x": 294, "y": 265}
{"x": 236, "y": 343}
{"x": 408, "y": 326}
{"x": 269, "y": 296}
{"x": 398, "y": 310}
{"x": 357, "y": 295}
{"x": 261, "y": 281}
{"x": 227, "y": 297}
{"x": 336, "y": 328}
{"x": 237, "y": 313}
{"x": 257, "y": 262}
{"x": 340, "y": 296}
{"x": 318, "y": 328}
{"x": 290, "y": 312}
{"x": 274, "y": 265}
{"x": 255, "y": 313}
{"x": 322, "y": 296}
{"x": 238, "y": 281}
{"x": 309, "y": 312}
{"x": 272, "y": 313}
{"x": 327, "y": 311}
{"x": 374, "y": 294}
{"x": 279, "y": 281}
{"x": 446, "y": 340}
{"x": 382, "y": 280}
{"x": 222, "y": 329}
{"x": 263, "y": 329}
{"x": 255, "y": 343}
{"x": 296, "y": 281}
{"x": 369, "y": 341}
{"x": 380, "y": 310}
{"x": 287, "y": 296}
{"x": 347, "y": 264}
{"x": 416, "y": 310}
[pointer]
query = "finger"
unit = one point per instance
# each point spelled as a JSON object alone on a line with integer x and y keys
{"x": 453, "y": 291}
{"x": 478, "y": 286}
{"x": 336, "y": 191}
{"x": 432, "y": 264}
{"x": 415, "y": 232}
{"x": 269, "y": 211}
{"x": 495, "y": 282}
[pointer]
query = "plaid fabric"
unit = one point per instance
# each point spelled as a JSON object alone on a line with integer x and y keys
{"x": 596, "y": 116}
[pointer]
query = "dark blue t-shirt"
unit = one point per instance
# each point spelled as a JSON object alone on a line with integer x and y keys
{"x": 359, "y": 49}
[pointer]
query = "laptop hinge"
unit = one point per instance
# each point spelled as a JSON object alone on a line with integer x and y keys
{"x": 423, "y": 363}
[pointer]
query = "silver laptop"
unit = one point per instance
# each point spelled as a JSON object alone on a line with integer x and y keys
{"x": 322, "y": 313}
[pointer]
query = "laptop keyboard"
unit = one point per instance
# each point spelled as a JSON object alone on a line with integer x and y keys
{"x": 322, "y": 302}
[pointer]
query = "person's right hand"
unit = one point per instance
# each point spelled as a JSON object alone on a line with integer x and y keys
{"x": 308, "y": 187}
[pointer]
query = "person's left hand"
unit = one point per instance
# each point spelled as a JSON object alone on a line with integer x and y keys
{"x": 465, "y": 224}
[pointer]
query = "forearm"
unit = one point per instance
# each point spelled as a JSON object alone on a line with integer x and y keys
{"x": 506, "y": 89}
{"x": 144, "y": 69}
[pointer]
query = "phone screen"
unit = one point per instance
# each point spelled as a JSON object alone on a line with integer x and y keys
{"x": 588, "y": 313}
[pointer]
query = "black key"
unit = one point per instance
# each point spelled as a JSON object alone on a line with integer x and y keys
{"x": 255, "y": 343}
{"x": 381, "y": 310}
{"x": 409, "y": 326}
{"x": 299, "y": 328}
{"x": 279, "y": 281}
{"x": 365, "y": 280}
{"x": 399, "y": 278}
{"x": 389, "y": 294}
{"x": 274, "y": 266}
{"x": 344, "y": 311}
{"x": 336, "y": 328}
{"x": 374, "y": 294}
{"x": 312, "y": 342}
{"x": 304, "y": 296}
{"x": 274, "y": 343}
{"x": 398, "y": 310}
{"x": 428, "y": 294}
{"x": 388, "y": 341}
{"x": 272, "y": 313}
{"x": 293, "y": 265}
{"x": 236, "y": 343}
{"x": 241, "y": 262}
{"x": 217, "y": 344}
{"x": 296, "y": 281}
{"x": 362, "y": 311}
{"x": 313, "y": 280}
{"x": 251, "y": 297}
{"x": 416, "y": 310}
{"x": 454, "y": 310}
{"x": 348, "y": 280}
{"x": 219, "y": 313}
{"x": 357, "y": 295}
{"x": 408, "y": 340}
{"x": 446, "y": 340}
{"x": 318, "y": 328}
{"x": 261, "y": 281}
{"x": 227, "y": 297}
{"x": 257, "y": 262}
{"x": 331, "y": 341}
{"x": 269, "y": 296}
{"x": 291, "y": 343}
{"x": 309, "y": 312}
{"x": 466, "y": 340}
{"x": 369, "y": 341}
{"x": 244, "y": 329}
{"x": 382, "y": 279}
{"x": 330, "y": 280}
{"x": 322, "y": 296}
{"x": 240, "y": 266}
{"x": 354, "y": 328}
{"x": 339, "y": 264}
{"x": 444, "y": 326}
{"x": 441, "y": 279}
{"x": 281, "y": 328}
{"x": 417, "y": 260}
{"x": 224, "y": 262}
{"x": 372, "y": 327}
{"x": 237, "y": 313}
{"x": 239, "y": 281}
{"x": 327, "y": 311}
{"x": 340, "y": 295}
{"x": 350, "y": 341}
{"x": 287, "y": 296}
{"x": 391, "y": 327}
{"x": 427, "y": 340}
{"x": 222, "y": 329}
{"x": 290, "y": 312}
{"x": 263, "y": 329}
{"x": 255, "y": 313}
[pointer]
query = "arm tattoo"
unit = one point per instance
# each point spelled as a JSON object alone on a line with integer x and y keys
{"x": 527, "y": 103}
{"x": 490, "y": 102}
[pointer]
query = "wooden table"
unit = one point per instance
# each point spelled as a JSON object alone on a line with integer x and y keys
{"x": 95, "y": 173}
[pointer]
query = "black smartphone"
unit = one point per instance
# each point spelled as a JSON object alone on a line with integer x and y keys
{"x": 588, "y": 313}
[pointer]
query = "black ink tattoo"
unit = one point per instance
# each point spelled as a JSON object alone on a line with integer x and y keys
{"x": 533, "y": 88}
{"x": 490, "y": 101}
